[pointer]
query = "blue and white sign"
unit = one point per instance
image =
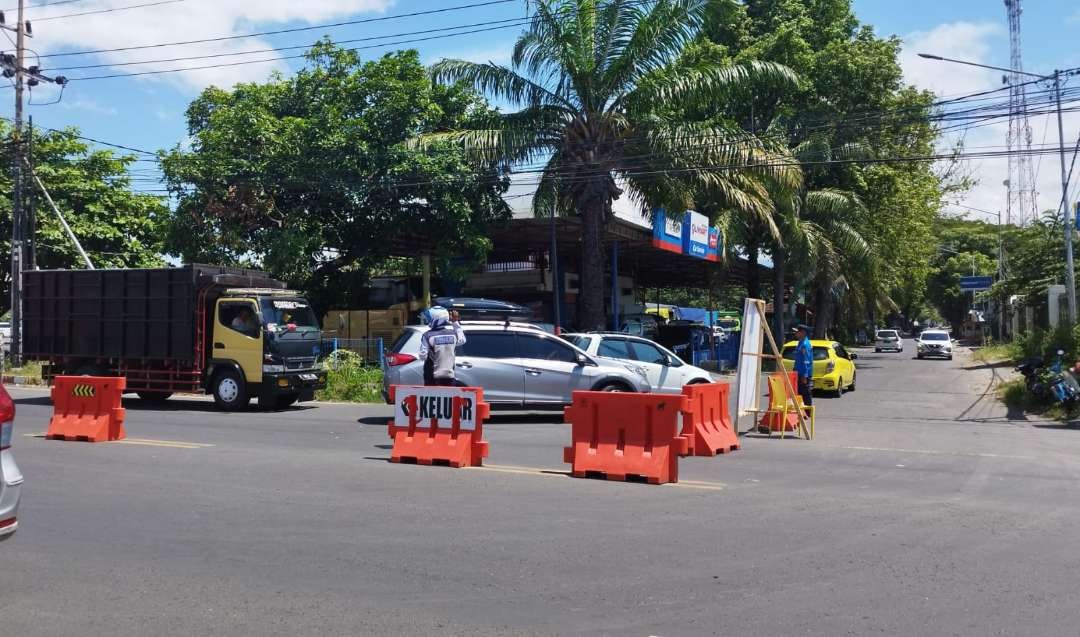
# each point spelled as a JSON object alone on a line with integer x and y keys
{"x": 691, "y": 235}
{"x": 695, "y": 238}
{"x": 976, "y": 283}
{"x": 667, "y": 232}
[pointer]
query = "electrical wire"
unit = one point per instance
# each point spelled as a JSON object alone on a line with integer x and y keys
{"x": 109, "y": 10}
{"x": 397, "y": 16}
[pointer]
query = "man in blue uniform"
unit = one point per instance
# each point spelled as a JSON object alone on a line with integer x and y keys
{"x": 804, "y": 364}
{"x": 438, "y": 345}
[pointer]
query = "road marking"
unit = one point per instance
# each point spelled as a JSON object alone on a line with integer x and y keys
{"x": 561, "y": 473}
{"x": 147, "y": 442}
{"x": 932, "y": 452}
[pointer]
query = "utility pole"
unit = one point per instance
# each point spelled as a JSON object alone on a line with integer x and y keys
{"x": 1070, "y": 273}
{"x": 22, "y": 225}
{"x": 17, "y": 222}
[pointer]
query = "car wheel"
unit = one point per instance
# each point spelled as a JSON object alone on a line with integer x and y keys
{"x": 877, "y": 350}
{"x": 154, "y": 396}
{"x": 230, "y": 390}
{"x": 949, "y": 357}
{"x": 614, "y": 387}
{"x": 918, "y": 356}
{"x": 284, "y": 402}
{"x": 852, "y": 386}
{"x": 839, "y": 387}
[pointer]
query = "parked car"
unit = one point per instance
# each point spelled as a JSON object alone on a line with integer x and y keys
{"x": 888, "y": 340}
{"x": 11, "y": 478}
{"x": 934, "y": 343}
{"x": 667, "y": 372}
{"x": 517, "y": 364}
{"x": 834, "y": 367}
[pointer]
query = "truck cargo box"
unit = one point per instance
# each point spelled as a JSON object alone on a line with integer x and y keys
{"x": 135, "y": 314}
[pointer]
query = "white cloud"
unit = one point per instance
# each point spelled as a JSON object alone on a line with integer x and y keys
{"x": 957, "y": 40}
{"x": 975, "y": 43}
{"x": 88, "y": 105}
{"x": 1074, "y": 18}
{"x": 181, "y": 21}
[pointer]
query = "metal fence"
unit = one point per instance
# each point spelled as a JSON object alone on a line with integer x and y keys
{"x": 370, "y": 350}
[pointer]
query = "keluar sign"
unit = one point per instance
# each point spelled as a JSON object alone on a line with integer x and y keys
{"x": 444, "y": 406}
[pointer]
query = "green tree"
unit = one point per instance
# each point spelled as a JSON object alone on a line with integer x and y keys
{"x": 311, "y": 176}
{"x": 602, "y": 87}
{"x": 117, "y": 226}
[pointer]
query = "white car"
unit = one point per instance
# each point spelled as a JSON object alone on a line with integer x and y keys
{"x": 667, "y": 373}
{"x": 11, "y": 478}
{"x": 888, "y": 339}
{"x": 934, "y": 343}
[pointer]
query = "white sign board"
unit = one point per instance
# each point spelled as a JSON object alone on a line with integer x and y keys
{"x": 748, "y": 373}
{"x": 437, "y": 403}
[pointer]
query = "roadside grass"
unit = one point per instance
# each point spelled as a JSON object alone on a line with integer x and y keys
{"x": 30, "y": 370}
{"x": 998, "y": 353}
{"x": 349, "y": 379}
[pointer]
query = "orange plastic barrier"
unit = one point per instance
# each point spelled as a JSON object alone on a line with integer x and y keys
{"x": 707, "y": 421}
{"x": 438, "y": 425}
{"x": 87, "y": 408}
{"x": 777, "y": 418}
{"x": 620, "y": 436}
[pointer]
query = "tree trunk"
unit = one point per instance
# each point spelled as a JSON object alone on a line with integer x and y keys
{"x": 753, "y": 277}
{"x": 779, "y": 283}
{"x": 823, "y": 311}
{"x": 591, "y": 299}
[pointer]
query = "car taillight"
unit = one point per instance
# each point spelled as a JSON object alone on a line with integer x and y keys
{"x": 831, "y": 366}
{"x": 7, "y": 418}
{"x": 393, "y": 360}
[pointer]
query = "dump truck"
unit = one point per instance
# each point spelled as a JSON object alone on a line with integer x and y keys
{"x": 234, "y": 333}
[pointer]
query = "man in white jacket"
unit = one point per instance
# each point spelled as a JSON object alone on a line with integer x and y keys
{"x": 438, "y": 345}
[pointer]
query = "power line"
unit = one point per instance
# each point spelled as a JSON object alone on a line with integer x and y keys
{"x": 110, "y": 10}
{"x": 224, "y": 38}
{"x": 45, "y": 4}
{"x": 508, "y": 22}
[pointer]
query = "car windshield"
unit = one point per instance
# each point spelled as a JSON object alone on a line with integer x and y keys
{"x": 577, "y": 340}
{"x": 280, "y": 313}
{"x": 935, "y": 336}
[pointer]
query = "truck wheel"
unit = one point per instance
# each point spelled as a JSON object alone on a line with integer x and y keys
{"x": 154, "y": 396}
{"x": 230, "y": 390}
{"x": 284, "y": 402}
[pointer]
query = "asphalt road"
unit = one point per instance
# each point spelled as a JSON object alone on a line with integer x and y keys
{"x": 921, "y": 508}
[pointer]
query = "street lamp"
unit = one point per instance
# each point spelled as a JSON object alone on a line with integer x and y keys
{"x": 1070, "y": 274}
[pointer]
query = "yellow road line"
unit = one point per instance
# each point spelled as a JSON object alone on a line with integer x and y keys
{"x": 559, "y": 473}
{"x": 932, "y": 452}
{"x": 147, "y": 442}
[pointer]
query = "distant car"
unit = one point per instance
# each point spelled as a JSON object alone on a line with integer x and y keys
{"x": 11, "y": 478}
{"x": 518, "y": 365}
{"x": 888, "y": 340}
{"x": 834, "y": 369}
{"x": 667, "y": 372}
{"x": 934, "y": 343}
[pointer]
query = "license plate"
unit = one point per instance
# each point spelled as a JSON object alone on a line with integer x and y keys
{"x": 308, "y": 377}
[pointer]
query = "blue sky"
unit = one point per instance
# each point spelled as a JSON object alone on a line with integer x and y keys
{"x": 147, "y": 111}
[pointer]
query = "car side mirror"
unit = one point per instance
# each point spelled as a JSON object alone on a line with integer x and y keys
{"x": 854, "y": 356}
{"x": 582, "y": 360}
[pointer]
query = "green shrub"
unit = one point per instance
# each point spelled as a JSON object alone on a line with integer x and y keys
{"x": 350, "y": 379}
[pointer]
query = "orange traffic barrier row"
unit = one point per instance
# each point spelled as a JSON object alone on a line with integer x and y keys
{"x": 707, "y": 420}
{"x": 438, "y": 425}
{"x": 621, "y": 436}
{"x": 87, "y": 408}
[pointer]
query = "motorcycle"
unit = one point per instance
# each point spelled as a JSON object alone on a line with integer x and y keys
{"x": 1052, "y": 382}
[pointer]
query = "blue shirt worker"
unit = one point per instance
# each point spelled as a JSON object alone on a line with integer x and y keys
{"x": 804, "y": 364}
{"x": 438, "y": 345}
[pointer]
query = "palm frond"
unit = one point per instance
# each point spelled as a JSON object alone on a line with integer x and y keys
{"x": 499, "y": 81}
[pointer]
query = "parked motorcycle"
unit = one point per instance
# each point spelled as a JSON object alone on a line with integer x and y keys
{"x": 1052, "y": 382}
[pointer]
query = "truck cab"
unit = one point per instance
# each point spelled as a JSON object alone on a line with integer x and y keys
{"x": 264, "y": 344}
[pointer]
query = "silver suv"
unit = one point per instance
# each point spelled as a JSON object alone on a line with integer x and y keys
{"x": 517, "y": 364}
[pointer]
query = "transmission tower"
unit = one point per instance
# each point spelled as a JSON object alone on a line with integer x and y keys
{"x": 1022, "y": 206}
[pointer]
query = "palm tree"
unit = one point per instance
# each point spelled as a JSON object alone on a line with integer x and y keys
{"x": 601, "y": 87}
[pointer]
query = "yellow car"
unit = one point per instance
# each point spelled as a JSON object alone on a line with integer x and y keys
{"x": 833, "y": 367}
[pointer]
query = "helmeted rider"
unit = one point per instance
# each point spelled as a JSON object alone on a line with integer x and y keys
{"x": 438, "y": 345}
